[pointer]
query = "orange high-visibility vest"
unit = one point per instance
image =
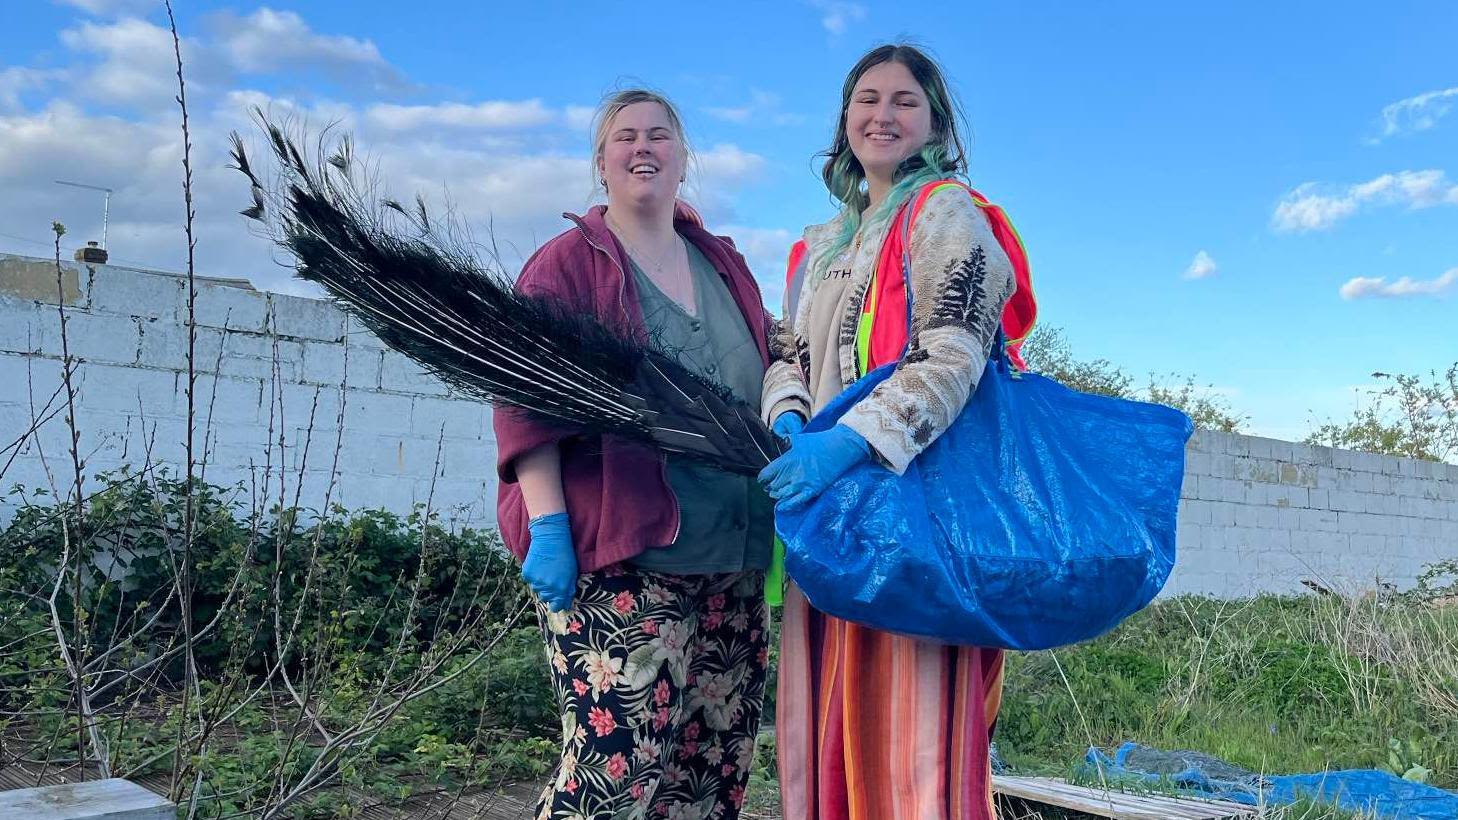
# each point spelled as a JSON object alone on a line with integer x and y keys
{"x": 881, "y": 336}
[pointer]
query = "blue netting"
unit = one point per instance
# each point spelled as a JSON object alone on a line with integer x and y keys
{"x": 1364, "y": 790}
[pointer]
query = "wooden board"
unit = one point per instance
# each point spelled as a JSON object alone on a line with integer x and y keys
{"x": 112, "y": 799}
{"x": 1120, "y": 805}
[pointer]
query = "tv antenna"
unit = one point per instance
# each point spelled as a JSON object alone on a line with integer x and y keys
{"x": 105, "y": 204}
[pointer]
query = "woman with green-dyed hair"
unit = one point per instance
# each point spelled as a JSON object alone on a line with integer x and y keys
{"x": 871, "y": 724}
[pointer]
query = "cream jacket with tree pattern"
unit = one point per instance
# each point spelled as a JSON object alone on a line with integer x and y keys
{"x": 961, "y": 279}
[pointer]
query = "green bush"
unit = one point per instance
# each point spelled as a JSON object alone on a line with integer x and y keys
{"x": 369, "y": 597}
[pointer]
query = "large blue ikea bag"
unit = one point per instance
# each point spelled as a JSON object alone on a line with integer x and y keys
{"x": 1041, "y": 517}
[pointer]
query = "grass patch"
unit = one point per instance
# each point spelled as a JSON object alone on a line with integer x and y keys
{"x": 1275, "y": 684}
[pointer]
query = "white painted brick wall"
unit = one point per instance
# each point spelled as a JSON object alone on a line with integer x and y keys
{"x": 126, "y": 328}
{"x": 1261, "y": 515}
{"x": 1258, "y": 514}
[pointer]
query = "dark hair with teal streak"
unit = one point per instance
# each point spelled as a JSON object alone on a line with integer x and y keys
{"x": 941, "y": 157}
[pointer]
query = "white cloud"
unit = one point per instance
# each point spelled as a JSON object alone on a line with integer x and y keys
{"x": 1417, "y": 113}
{"x": 493, "y": 115}
{"x": 137, "y": 63}
{"x": 272, "y": 42}
{"x": 837, "y": 15}
{"x": 579, "y": 117}
{"x": 717, "y": 173}
{"x": 763, "y": 108}
{"x": 111, "y": 8}
{"x": 1313, "y": 207}
{"x": 1366, "y": 287}
{"x": 504, "y": 170}
{"x": 141, "y": 161}
{"x": 726, "y": 163}
{"x": 1201, "y": 267}
{"x": 17, "y": 79}
{"x": 766, "y": 250}
{"x": 518, "y": 196}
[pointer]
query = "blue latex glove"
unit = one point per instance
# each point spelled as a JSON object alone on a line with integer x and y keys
{"x": 787, "y": 424}
{"x": 814, "y": 462}
{"x": 550, "y": 568}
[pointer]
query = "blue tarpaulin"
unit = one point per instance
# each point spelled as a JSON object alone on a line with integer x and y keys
{"x": 1365, "y": 790}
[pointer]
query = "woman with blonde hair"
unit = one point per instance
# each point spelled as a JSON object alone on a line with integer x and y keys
{"x": 873, "y": 725}
{"x": 648, "y": 569}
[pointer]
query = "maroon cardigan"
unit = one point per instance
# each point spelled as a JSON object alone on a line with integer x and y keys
{"x": 618, "y": 499}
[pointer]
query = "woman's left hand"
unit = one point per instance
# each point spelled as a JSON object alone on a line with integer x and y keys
{"x": 788, "y": 424}
{"x": 814, "y": 462}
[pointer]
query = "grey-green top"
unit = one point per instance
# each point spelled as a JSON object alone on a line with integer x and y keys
{"x": 726, "y": 520}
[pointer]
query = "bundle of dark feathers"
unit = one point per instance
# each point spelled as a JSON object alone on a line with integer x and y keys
{"x": 410, "y": 282}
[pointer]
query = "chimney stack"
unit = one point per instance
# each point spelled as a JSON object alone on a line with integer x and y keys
{"x": 92, "y": 254}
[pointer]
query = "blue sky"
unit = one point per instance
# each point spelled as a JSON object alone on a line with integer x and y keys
{"x": 1302, "y": 156}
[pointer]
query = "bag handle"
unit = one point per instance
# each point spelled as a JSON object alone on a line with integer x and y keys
{"x": 998, "y": 353}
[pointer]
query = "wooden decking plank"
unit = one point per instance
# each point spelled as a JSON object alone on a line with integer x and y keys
{"x": 1113, "y": 804}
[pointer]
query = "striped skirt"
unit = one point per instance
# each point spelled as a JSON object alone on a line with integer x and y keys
{"x": 876, "y": 726}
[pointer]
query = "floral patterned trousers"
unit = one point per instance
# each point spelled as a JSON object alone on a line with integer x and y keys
{"x": 660, "y": 679}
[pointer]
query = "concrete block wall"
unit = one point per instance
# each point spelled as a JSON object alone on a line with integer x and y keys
{"x": 1257, "y": 515}
{"x": 1262, "y": 515}
{"x": 274, "y": 374}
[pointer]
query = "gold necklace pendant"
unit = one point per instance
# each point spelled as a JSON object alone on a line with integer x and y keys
{"x": 633, "y": 250}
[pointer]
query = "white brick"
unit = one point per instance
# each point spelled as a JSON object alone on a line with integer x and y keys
{"x": 1194, "y": 512}
{"x": 27, "y": 328}
{"x": 132, "y": 293}
{"x": 1259, "y": 447}
{"x": 1373, "y": 462}
{"x": 471, "y": 459}
{"x": 233, "y": 308}
{"x": 1204, "y": 487}
{"x": 29, "y": 377}
{"x": 408, "y": 456}
{"x": 1256, "y": 494}
{"x": 302, "y": 401}
{"x": 1279, "y": 540}
{"x": 357, "y": 335}
{"x": 99, "y": 338}
{"x": 1286, "y": 496}
{"x": 1282, "y": 450}
{"x": 363, "y": 368}
{"x": 125, "y": 389}
{"x": 1318, "y": 521}
{"x": 253, "y": 356}
{"x": 165, "y": 346}
{"x": 1266, "y": 517}
{"x": 307, "y": 318}
{"x": 1197, "y": 463}
{"x": 1222, "y": 514}
{"x": 380, "y": 413}
{"x": 323, "y": 363}
{"x": 460, "y": 419}
{"x": 399, "y": 374}
{"x": 230, "y": 401}
{"x": 1233, "y": 490}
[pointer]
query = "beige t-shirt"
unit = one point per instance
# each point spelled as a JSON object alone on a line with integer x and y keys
{"x": 822, "y": 335}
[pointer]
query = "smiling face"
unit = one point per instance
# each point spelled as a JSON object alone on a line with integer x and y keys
{"x": 887, "y": 119}
{"x": 643, "y": 156}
